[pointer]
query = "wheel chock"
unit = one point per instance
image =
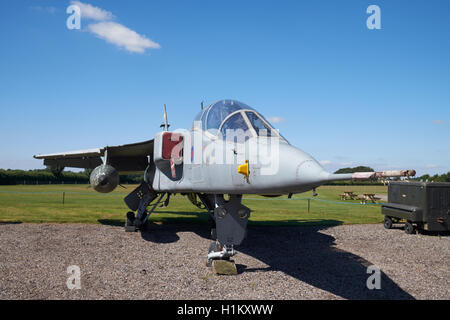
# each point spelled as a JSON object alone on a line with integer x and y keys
{"x": 224, "y": 267}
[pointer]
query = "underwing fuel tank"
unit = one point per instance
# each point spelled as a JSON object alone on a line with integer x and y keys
{"x": 104, "y": 178}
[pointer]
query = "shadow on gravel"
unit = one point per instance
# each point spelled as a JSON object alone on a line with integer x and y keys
{"x": 435, "y": 233}
{"x": 311, "y": 256}
{"x": 302, "y": 252}
{"x": 112, "y": 222}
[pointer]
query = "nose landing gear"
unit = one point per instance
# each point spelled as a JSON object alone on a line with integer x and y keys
{"x": 231, "y": 219}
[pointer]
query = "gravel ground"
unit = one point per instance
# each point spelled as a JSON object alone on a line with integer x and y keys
{"x": 168, "y": 262}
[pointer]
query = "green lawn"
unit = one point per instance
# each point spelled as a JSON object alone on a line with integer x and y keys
{"x": 43, "y": 203}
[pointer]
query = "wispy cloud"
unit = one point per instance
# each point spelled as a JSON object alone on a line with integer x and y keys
{"x": 90, "y": 12}
{"x": 438, "y": 121}
{"x": 275, "y": 119}
{"x": 113, "y": 32}
{"x": 121, "y": 36}
{"x": 325, "y": 162}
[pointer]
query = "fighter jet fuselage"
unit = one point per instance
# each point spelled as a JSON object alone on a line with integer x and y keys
{"x": 230, "y": 149}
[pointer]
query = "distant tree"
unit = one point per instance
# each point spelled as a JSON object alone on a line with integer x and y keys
{"x": 447, "y": 177}
{"x": 88, "y": 172}
{"x": 355, "y": 169}
{"x": 57, "y": 171}
{"x": 8, "y": 177}
{"x": 425, "y": 177}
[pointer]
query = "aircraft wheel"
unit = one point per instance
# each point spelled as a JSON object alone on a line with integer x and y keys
{"x": 214, "y": 233}
{"x": 129, "y": 222}
{"x": 420, "y": 226}
{"x": 130, "y": 218}
{"x": 387, "y": 222}
{"x": 409, "y": 228}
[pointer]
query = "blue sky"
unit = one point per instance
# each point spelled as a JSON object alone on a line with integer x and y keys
{"x": 345, "y": 94}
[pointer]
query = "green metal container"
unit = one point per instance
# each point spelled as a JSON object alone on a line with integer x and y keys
{"x": 423, "y": 205}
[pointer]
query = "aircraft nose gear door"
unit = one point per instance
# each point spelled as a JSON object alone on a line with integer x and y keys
{"x": 231, "y": 219}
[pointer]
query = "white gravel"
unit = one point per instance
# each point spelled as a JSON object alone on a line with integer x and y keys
{"x": 168, "y": 262}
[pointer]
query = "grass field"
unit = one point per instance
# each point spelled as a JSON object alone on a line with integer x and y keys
{"x": 44, "y": 203}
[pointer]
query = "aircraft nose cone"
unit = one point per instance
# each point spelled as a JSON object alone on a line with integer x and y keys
{"x": 310, "y": 172}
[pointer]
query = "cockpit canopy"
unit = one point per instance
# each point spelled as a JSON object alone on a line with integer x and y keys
{"x": 225, "y": 116}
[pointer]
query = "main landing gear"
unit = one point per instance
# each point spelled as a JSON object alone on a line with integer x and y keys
{"x": 139, "y": 200}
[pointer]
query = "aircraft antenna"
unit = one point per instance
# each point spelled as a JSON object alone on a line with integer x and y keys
{"x": 165, "y": 125}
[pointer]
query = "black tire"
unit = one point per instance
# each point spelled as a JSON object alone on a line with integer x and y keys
{"x": 130, "y": 219}
{"x": 419, "y": 227}
{"x": 388, "y": 222}
{"x": 409, "y": 228}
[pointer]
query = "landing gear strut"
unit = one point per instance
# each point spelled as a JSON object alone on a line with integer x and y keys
{"x": 139, "y": 200}
{"x": 230, "y": 219}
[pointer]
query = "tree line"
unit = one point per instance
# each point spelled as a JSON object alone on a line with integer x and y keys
{"x": 46, "y": 176}
{"x": 436, "y": 178}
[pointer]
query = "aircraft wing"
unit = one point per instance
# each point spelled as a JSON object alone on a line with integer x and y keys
{"x": 125, "y": 158}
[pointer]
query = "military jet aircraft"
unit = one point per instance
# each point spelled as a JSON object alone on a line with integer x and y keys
{"x": 231, "y": 150}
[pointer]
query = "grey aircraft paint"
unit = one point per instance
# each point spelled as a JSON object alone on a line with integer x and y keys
{"x": 230, "y": 149}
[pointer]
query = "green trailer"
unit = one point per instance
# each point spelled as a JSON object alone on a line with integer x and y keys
{"x": 419, "y": 205}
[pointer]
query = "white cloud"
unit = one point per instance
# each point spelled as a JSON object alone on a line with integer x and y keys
{"x": 275, "y": 119}
{"x": 121, "y": 36}
{"x": 114, "y": 32}
{"x": 325, "y": 162}
{"x": 438, "y": 121}
{"x": 90, "y": 12}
